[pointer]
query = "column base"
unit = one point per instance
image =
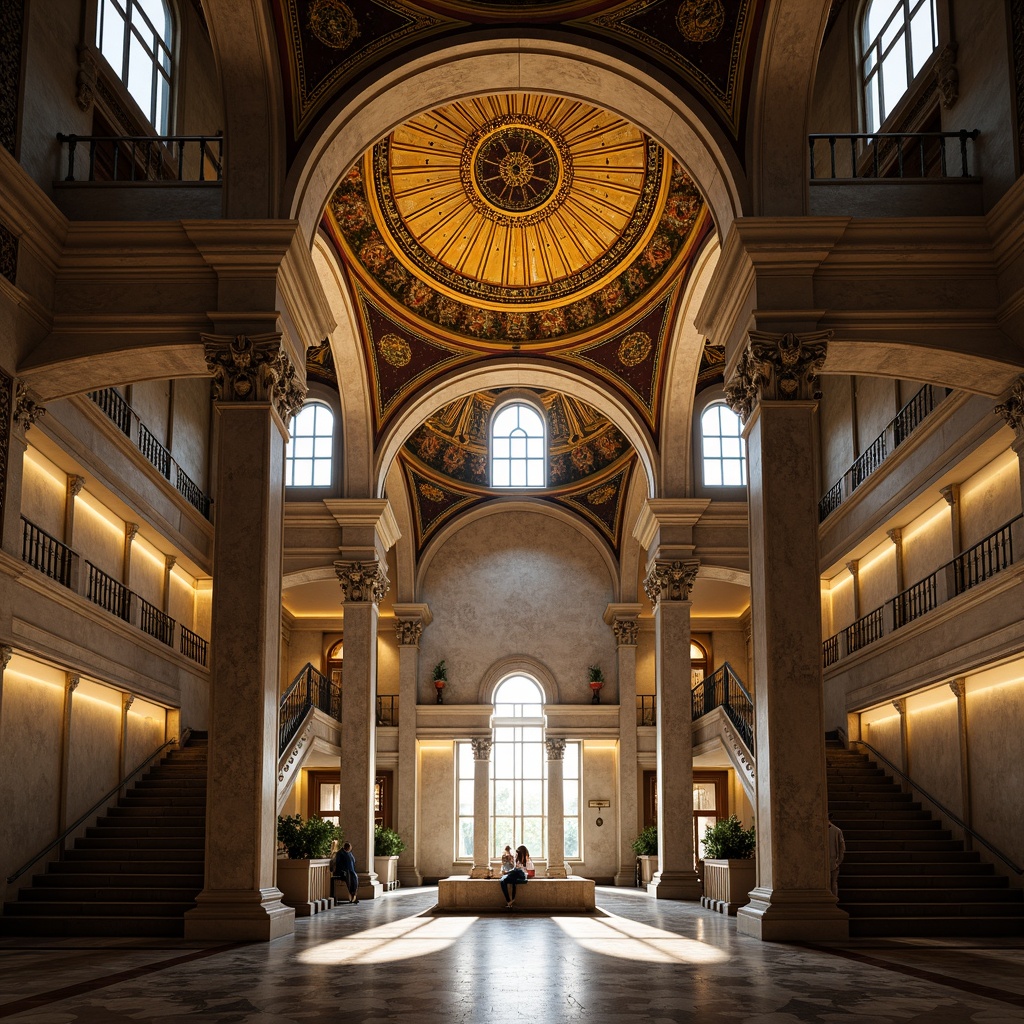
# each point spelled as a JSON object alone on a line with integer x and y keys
{"x": 479, "y": 872}
{"x": 242, "y": 915}
{"x": 626, "y": 879}
{"x": 794, "y": 915}
{"x": 675, "y": 885}
{"x": 408, "y": 875}
{"x": 370, "y": 887}
{"x": 558, "y": 871}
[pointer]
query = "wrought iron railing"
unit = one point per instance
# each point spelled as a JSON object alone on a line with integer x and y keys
{"x": 910, "y": 416}
{"x": 866, "y": 630}
{"x": 309, "y": 689}
{"x": 46, "y": 553}
{"x": 892, "y": 154}
{"x": 646, "y": 709}
{"x": 867, "y": 462}
{"x": 121, "y": 413}
{"x": 724, "y": 689}
{"x": 830, "y": 650}
{"x": 184, "y": 159}
{"x": 984, "y": 560}
{"x": 156, "y": 623}
{"x": 387, "y": 710}
{"x": 915, "y": 601}
{"x": 110, "y": 594}
{"x": 193, "y": 646}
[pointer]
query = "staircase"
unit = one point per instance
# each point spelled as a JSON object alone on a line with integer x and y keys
{"x": 135, "y": 872}
{"x": 905, "y": 875}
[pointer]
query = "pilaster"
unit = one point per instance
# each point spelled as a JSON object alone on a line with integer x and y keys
{"x": 481, "y": 806}
{"x": 1012, "y": 410}
{"x": 555, "y": 749}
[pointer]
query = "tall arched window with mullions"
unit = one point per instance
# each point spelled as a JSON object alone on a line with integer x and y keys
{"x": 723, "y": 456}
{"x": 309, "y": 459}
{"x": 136, "y": 38}
{"x": 518, "y": 437}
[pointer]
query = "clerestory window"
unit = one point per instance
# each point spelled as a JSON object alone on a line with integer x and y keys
{"x": 517, "y": 447}
{"x": 136, "y": 37}
{"x": 897, "y": 38}
{"x": 309, "y": 459}
{"x": 722, "y": 451}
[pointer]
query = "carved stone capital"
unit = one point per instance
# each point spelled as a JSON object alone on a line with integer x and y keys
{"x": 254, "y": 369}
{"x": 671, "y": 581}
{"x": 362, "y": 581}
{"x": 959, "y": 687}
{"x": 854, "y": 567}
{"x": 6, "y": 653}
{"x": 131, "y": 531}
{"x": 951, "y": 494}
{"x": 481, "y": 749}
{"x": 900, "y": 705}
{"x": 127, "y": 701}
{"x": 85, "y": 81}
{"x": 170, "y": 561}
{"x": 408, "y": 632}
{"x": 946, "y": 75}
{"x": 626, "y": 631}
{"x": 26, "y": 409}
{"x": 776, "y": 367}
{"x": 555, "y": 749}
{"x": 896, "y": 536}
{"x": 71, "y": 683}
{"x": 75, "y": 485}
{"x": 1012, "y": 407}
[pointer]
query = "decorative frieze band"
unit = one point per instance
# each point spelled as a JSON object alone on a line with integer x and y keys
{"x": 362, "y": 581}
{"x": 671, "y": 581}
{"x": 777, "y": 367}
{"x": 408, "y": 632}
{"x": 254, "y": 369}
{"x": 481, "y": 749}
{"x": 1012, "y": 407}
{"x": 26, "y": 409}
{"x": 626, "y": 631}
{"x": 555, "y": 749}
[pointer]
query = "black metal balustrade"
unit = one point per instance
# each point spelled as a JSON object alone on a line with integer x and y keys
{"x": 830, "y": 650}
{"x": 193, "y": 646}
{"x": 915, "y": 601}
{"x": 156, "y": 623}
{"x": 183, "y": 159}
{"x": 724, "y": 689}
{"x": 121, "y": 413}
{"x": 110, "y": 594}
{"x": 905, "y": 154}
{"x": 46, "y": 553}
{"x": 387, "y": 710}
{"x": 910, "y": 416}
{"x": 645, "y": 710}
{"x": 309, "y": 689}
{"x": 868, "y": 461}
{"x": 984, "y": 560}
{"x": 866, "y": 630}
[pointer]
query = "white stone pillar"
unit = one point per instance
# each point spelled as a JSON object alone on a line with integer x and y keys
{"x": 623, "y": 620}
{"x": 481, "y": 806}
{"x": 70, "y": 685}
{"x": 668, "y": 585}
{"x": 773, "y": 389}
{"x": 409, "y": 622}
{"x": 127, "y": 700}
{"x": 257, "y": 392}
{"x": 556, "y": 808}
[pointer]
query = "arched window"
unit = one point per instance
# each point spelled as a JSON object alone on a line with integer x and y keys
{"x": 897, "y": 37}
{"x": 517, "y": 447}
{"x": 137, "y": 39}
{"x": 722, "y": 451}
{"x": 309, "y": 460}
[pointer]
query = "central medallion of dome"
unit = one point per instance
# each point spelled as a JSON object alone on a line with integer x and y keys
{"x": 516, "y": 170}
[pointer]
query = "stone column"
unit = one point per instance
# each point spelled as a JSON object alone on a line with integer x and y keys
{"x": 74, "y": 489}
{"x": 170, "y": 561}
{"x": 127, "y": 700}
{"x": 901, "y": 707}
{"x": 668, "y": 585}
{"x": 481, "y": 807}
{"x": 6, "y": 653}
{"x": 951, "y": 493}
{"x": 854, "y": 569}
{"x": 623, "y": 620}
{"x": 896, "y": 536}
{"x": 773, "y": 388}
{"x": 70, "y": 685}
{"x": 1012, "y": 410}
{"x": 257, "y": 392}
{"x": 556, "y": 808}
{"x": 17, "y": 414}
{"x": 959, "y": 688}
{"x": 409, "y": 625}
{"x": 131, "y": 531}
{"x": 363, "y": 586}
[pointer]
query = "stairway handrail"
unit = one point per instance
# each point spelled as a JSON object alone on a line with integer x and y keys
{"x": 942, "y": 807}
{"x": 703, "y": 704}
{"x": 99, "y": 803}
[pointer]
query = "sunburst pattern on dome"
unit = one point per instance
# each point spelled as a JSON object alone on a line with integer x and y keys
{"x": 516, "y": 199}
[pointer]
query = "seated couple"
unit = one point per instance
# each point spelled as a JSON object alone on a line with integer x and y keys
{"x": 515, "y": 872}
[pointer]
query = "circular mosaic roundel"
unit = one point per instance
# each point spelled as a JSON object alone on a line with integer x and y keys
{"x": 635, "y": 348}
{"x": 516, "y": 169}
{"x": 394, "y": 350}
{"x": 333, "y": 23}
{"x": 700, "y": 21}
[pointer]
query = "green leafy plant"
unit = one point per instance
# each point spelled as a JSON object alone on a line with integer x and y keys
{"x": 646, "y": 844}
{"x": 307, "y": 839}
{"x": 596, "y": 675}
{"x": 440, "y": 672}
{"x": 386, "y": 842}
{"x": 729, "y": 840}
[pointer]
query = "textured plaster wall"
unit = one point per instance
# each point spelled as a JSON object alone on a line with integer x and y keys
{"x": 517, "y": 584}
{"x": 435, "y": 835}
{"x": 729, "y": 645}
{"x": 43, "y": 492}
{"x": 877, "y": 404}
{"x": 600, "y": 782}
{"x": 834, "y": 419}
{"x": 935, "y": 747}
{"x": 148, "y": 568}
{"x": 190, "y": 437}
{"x": 145, "y": 732}
{"x": 387, "y": 659}
{"x": 95, "y": 742}
{"x": 306, "y": 645}
{"x": 182, "y": 604}
{"x": 884, "y": 736}
{"x": 151, "y": 401}
{"x": 645, "y": 666}
{"x": 841, "y": 597}
{"x": 989, "y": 499}
{"x": 927, "y": 543}
{"x": 99, "y": 536}
{"x": 877, "y": 577}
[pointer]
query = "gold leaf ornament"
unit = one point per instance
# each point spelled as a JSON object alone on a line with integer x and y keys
{"x": 700, "y": 21}
{"x": 394, "y": 350}
{"x": 635, "y": 348}
{"x": 333, "y": 23}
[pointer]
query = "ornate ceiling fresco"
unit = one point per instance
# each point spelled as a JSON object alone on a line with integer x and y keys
{"x": 446, "y": 467}
{"x": 327, "y": 45}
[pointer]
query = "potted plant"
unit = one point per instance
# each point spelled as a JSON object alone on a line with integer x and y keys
{"x": 645, "y": 846}
{"x": 387, "y": 845}
{"x": 730, "y": 871}
{"x": 304, "y": 877}
{"x": 440, "y": 678}
{"x": 596, "y": 682}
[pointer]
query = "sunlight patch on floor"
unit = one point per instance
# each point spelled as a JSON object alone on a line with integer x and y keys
{"x": 397, "y": 940}
{"x": 631, "y": 940}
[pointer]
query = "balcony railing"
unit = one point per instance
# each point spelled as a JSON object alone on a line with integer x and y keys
{"x": 646, "y": 710}
{"x": 724, "y": 689}
{"x": 46, "y": 553}
{"x": 309, "y": 689}
{"x": 984, "y": 560}
{"x": 110, "y": 594}
{"x": 121, "y": 413}
{"x": 915, "y": 601}
{"x": 193, "y": 646}
{"x": 187, "y": 159}
{"x": 387, "y": 710}
{"x": 156, "y": 623}
{"x": 893, "y": 154}
{"x": 866, "y": 630}
{"x": 907, "y": 420}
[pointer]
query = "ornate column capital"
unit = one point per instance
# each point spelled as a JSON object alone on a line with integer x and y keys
{"x": 481, "y": 749}
{"x": 75, "y": 485}
{"x": 6, "y": 653}
{"x": 408, "y": 632}
{"x": 854, "y": 567}
{"x": 946, "y": 75}
{"x": 776, "y": 367}
{"x": 951, "y": 493}
{"x": 170, "y": 561}
{"x": 959, "y": 687}
{"x": 71, "y": 683}
{"x": 1011, "y": 408}
{"x": 895, "y": 535}
{"x": 26, "y": 409}
{"x": 131, "y": 531}
{"x": 362, "y": 581}
{"x": 127, "y": 701}
{"x": 671, "y": 581}
{"x": 254, "y": 369}
{"x": 625, "y": 631}
{"x": 900, "y": 705}
{"x": 555, "y": 749}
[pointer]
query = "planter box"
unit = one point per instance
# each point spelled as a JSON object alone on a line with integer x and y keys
{"x": 305, "y": 885}
{"x": 727, "y": 884}
{"x": 386, "y": 869}
{"x": 648, "y": 867}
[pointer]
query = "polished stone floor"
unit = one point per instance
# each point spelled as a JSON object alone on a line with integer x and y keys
{"x": 393, "y": 960}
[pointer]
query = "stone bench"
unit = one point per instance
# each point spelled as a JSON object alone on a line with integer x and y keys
{"x": 572, "y": 895}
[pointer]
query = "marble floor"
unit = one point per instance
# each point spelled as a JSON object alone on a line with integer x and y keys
{"x": 393, "y": 960}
